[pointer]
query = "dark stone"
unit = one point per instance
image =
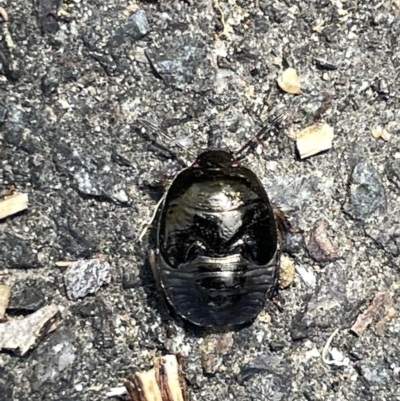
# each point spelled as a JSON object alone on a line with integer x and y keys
{"x": 366, "y": 192}
{"x": 330, "y": 34}
{"x": 255, "y": 72}
{"x": 393, "y": 172}
{"x": 323, "y": 64}
{"x": 119, "y": 159}
{"x": 293, "y": 242}
{"x": 29, "y": 145}
{"x": 127, "y": 231}
{"x": 129, "y": 280}
{"x": 89, "y": 174}
{"x": 102, "y": 326}
{"x": 52, "y": 361}
{"x": 265, "y": 364}
{"x": 43, "y": 174}
{"x": 14, "y": 127}
{"x": 6, "y": 384}
{"x": 275, "y": 346}
{"x": 87, "y": 309}
{"x": 300, "y": 328}
{"x": 16, "y": 253}
{"x": 134, "y": 28}
{"x": 9, "y": 65}
{"x": 374, "y": 372}
{"x": 327, "y": 307}
{"x": 273, "y": 12}
{"x": 76, "y": 238}
{"x": 3, "y": 113}
{"x": 309, "y": 397}
{"x": 176, "y": 61}
{"x": 47, "y": 15}
{"x": 27, "y": 296}
{"x": 99, "y": 317}
{"x": 49, "y": 84}
{"x": 13, "y": 134}
{"x": 261, "y": 25}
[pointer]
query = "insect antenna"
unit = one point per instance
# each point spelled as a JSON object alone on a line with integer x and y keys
{"x": 256, "y": 138}
{"x": 251, "y": 141}
{"x": 155, "y": 130}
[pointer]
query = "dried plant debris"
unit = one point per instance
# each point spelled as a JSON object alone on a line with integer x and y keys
{"x": 12, "y": 205}
{"x": 23, "y": 333}
{"x": 64, "y": 263}
{"x": 379, "y": 132}
{"x": 85, "y": 277}
{"x": 286, "y": 272}
{"x": 366, "y": 193}
{"x": 165, "y": 382}
{"x": 337, "y": 357}
{"x": 381, "y": 304}
{"x": 289, "y": 81}
{"x": 212, "y": 350}
{"x": 320, "y": 247}
{"x": 5, "y": 293}
{"x": 314, "y": 139}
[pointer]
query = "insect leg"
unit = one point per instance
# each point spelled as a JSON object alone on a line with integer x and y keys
{"x": 150, "y": 222}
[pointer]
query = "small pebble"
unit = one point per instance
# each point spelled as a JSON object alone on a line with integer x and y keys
{"x": 289, "y": 81}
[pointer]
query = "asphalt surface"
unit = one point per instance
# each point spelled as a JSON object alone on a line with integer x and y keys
{"x": 86, "y": 90}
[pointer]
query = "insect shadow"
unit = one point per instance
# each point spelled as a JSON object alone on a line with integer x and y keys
{"x": 215, "y": 250}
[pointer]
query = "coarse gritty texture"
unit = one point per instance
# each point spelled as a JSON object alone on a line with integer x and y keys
{"x": 72, "y": 89}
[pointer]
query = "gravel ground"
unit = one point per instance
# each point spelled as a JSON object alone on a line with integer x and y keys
{"x": 77, "y": 78}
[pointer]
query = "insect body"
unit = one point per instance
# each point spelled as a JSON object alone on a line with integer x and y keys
{"x": 217, "y": 243}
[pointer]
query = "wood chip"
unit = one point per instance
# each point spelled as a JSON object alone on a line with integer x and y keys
{"x": 289, "y": 81}
{"x": 13, "y": 205}
{"x": 64, "y": 263}
{"x": 23, "y": 333}
{"x": 286, "y": 272}
{"x": 5, "y": 292}
{"x": 3, "y": 14}
{"x": 382, "y": 302}
{"x": 162, "y": 383}
{"x": 314, "y": 139}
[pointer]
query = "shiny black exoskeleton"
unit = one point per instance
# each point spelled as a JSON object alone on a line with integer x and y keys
{"x": 217, "y": 243}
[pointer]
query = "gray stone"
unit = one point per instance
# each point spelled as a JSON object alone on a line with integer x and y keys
{"x": 135, "y": 27}
{"x": 366, "y": 193}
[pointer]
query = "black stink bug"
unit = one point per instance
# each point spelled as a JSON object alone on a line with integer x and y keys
{"x": 217, "y": 252}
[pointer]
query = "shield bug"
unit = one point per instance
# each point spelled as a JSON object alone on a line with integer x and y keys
{"x": 217, "y": 250}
